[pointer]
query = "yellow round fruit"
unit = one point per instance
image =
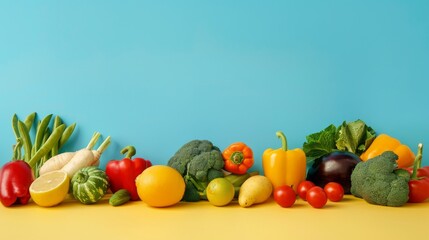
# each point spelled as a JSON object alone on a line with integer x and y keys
{"x": 220, "y": 192}
{"x": 160, "y": 186}
{"x": 50, "y": 189}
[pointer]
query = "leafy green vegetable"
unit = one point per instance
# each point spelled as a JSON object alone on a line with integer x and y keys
{"x": 320, "y": 143}
{"x": 354, "y": 137}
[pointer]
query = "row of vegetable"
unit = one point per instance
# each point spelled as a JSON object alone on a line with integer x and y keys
{"x": 346, "y": 159}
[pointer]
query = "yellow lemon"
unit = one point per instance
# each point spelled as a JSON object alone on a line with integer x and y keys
{"x": 50, "y": 189}
{"x": 160, "y": 186}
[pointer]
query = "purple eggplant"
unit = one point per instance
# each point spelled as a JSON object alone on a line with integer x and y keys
{"x": 333, "y": 167}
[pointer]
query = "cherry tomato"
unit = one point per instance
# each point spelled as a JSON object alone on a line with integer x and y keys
{"x": 334, "y": 191}
{"x": 316, "y": 197}
{"x": 303, "y": 187}
{"x": 284, "y": 196}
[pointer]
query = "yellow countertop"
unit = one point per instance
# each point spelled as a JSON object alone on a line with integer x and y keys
{"x": 351, "y": 218}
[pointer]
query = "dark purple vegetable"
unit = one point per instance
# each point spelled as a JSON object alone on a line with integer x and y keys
{"x": 333, "y": 167}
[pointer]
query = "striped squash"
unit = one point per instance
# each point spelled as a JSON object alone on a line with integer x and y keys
{"x": 89, "y": 184}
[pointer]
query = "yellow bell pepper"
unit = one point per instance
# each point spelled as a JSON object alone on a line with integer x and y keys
{"x": 384, "y": 142}
{"x": 284, "y": 167}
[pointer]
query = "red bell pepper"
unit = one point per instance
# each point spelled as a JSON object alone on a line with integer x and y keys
{"x": 15, "y": 180}
{"x": 123, "y": 173}
{"x": 419, "y": 181}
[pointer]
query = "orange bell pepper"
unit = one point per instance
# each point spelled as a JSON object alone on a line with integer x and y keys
{"x": 384, "y": 142}
{"x": 284, "y": 167}
{"x": 238, "y": 158}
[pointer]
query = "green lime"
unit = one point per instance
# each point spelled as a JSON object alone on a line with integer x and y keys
{"x": 220, "y": 192}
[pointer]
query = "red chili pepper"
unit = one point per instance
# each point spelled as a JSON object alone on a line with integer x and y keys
{"x": 419, "y": 181}
{"x": 15, "y": 180}
{"x": 123, "y": 173}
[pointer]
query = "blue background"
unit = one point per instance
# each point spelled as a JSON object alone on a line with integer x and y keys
{"x": 156, "y": 74}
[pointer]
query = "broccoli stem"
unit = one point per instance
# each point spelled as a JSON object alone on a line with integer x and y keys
{"x": 197, "y": 185}
{"x": 417, "y": 162}
{"x": 201, "y": 188}
{"x": 203, "y": 195}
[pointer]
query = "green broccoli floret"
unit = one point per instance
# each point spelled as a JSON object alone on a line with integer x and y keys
{"x": 378, "y": 181}
{"x": 207, "y": 162}
{"x": 214, "y": 173}
{"x": 199, "y": 162}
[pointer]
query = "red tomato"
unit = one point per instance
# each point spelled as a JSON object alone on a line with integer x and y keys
{"x": 284, "y": 196}
{"x": 334, "y": 191}
{"x": 303, "y": 187}
{"x": 316, "y": 197}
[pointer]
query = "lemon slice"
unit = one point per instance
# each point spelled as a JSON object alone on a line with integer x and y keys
{"x": 50, "y": 189}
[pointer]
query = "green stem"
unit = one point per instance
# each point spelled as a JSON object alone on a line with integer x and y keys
{"x": 237, "y": 157}
{"x": 281, "y": 135}
{"x": 93, "y": 140}
{"x": 201, "y": 188}
{"x": 129, "y": 150}
{"x": 417, "y": 162}
{"x": 203, "y": 195}
{"x": 104, "y": 145}
{"x": 198, "y": 186}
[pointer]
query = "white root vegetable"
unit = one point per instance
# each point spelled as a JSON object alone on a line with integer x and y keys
{"x": 84, "y": 158}
{"x": 97, "y": 155}
{"x": 61, "y": 160}
{"x": 56, "y": 162}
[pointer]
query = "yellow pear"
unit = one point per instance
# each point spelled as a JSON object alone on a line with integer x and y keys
{"x": 256, "y": 189}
